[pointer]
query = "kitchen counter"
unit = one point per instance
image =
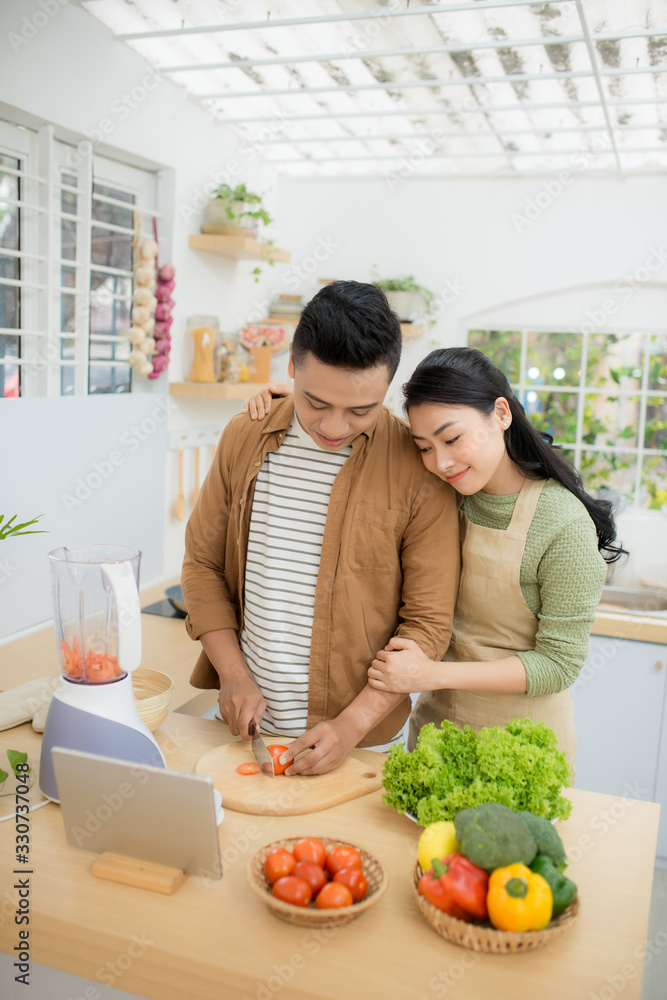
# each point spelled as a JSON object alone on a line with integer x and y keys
{"x": 621, "y": 625}
{"x": 214, "y": 940}
{"x": 167, "y": 647}
{"x": 165, "y": 643}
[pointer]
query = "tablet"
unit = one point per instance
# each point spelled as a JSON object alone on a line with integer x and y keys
{"x": 144, "y": 812}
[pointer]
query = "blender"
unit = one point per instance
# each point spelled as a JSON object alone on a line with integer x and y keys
{"x": 98, "y": 630}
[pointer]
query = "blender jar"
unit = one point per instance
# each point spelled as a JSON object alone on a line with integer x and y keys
{"x": 96, "y": 610}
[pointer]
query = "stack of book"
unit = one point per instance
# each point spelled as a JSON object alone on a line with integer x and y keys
{"x": 287, "y": 309}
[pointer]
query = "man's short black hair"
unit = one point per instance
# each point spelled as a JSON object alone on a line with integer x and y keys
{"x": 349, "y": 324}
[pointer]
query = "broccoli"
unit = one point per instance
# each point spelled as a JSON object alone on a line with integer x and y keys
{"x": 492, "y": 836}
{"x": 547, "y": 840}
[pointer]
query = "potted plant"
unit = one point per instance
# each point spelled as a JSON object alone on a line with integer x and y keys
{"x": 402, "y": 292}
{"x": 236, "y": 210}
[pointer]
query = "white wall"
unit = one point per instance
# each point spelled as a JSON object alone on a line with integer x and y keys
{"x": 471, "y": 242}
{"x": 74, "y": 75}
{"x": 465, "y": 239}
{"x": 96, "y": 473}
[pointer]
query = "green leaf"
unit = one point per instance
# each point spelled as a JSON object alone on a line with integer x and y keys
{"x": 3, "y": 778}
{"x": 6, "y": 528}
{"x": 15, "y": 758}
{"x": 16, "y": 529}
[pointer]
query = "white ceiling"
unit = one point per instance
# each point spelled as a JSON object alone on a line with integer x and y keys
{"x": 342, "y": 88}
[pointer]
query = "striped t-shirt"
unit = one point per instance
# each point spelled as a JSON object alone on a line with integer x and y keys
{"x": 289, "y": 512}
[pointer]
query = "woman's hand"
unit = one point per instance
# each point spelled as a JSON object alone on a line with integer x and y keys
{"x": 258, "y": 406}
{"x": 401, "y": 668}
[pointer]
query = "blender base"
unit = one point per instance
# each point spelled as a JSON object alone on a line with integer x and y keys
{"x": 75, "y": 729}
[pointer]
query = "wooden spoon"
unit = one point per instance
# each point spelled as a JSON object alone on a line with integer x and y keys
{"x": 178, "y": 510}
{"x": 195, "y": 492}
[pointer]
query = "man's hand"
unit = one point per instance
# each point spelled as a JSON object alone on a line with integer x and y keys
{"x": 330, "y": 744}
{"x": 241, "y": 702}
{"x": 402, "y": 668}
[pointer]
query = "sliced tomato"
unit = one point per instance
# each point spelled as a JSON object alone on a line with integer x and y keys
{"x": 276, "y": 749}
{"x": 252, "y": 767}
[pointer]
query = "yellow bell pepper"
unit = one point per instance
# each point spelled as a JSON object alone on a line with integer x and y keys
{"x": 519, "y": 899}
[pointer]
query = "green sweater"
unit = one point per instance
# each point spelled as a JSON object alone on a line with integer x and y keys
{"x": 562, "y": 574}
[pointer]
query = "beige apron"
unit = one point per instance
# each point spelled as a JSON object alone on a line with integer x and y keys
{"x": 492, "y": 621}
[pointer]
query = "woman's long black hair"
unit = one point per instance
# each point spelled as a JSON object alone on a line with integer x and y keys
{"x": 463, "y": 376}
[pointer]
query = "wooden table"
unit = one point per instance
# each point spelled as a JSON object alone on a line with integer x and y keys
{"x": 214, "y": 940}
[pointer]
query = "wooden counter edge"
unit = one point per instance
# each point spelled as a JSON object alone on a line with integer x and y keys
{"x": 639, "y": 628}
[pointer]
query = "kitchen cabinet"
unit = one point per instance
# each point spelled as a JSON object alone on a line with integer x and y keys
{"x": 619, "y": 705}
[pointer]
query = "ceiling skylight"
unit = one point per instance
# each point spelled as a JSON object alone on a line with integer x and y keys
{"x": 375, "y": 87}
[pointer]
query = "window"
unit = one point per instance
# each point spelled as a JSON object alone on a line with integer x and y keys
{"x": 66, "y": 230}
{"x": 602, "y": 396}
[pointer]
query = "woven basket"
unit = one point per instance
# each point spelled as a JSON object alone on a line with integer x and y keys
{"x": 152, "y": 695}
{"x": 310, "y": 916}
{"x": 484, "y": 937}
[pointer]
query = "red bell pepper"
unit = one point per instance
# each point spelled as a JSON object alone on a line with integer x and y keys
{"x": 456, "y": 886}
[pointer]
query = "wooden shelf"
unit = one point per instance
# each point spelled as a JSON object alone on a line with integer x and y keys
{"x": 239, "y": 247}
{"x": 411, "y": 331}
{"x": 215, "y": 390}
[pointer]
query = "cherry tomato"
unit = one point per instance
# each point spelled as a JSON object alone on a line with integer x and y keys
{"x": 252, "y": 767}
{"x": 332, "y": 896}
{"x": 312, "y": 874}
{"x": 354, "y": 879}
{"x": 293, "y": 890}
{"x": 278, "y": 864}
{"x": 276, "y": 750}
{"x": 308, "y": 849}
{"x": 342, "y": 857}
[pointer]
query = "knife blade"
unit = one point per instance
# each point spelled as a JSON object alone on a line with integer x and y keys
{"x": 260, "y": 753}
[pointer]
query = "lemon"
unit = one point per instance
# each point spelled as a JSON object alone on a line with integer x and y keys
{"x": 437, "y": 841}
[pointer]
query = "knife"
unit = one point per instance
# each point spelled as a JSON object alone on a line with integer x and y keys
{"x": 260, "y": 753}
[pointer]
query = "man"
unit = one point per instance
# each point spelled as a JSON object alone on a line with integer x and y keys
{"x": 317, "y": 536}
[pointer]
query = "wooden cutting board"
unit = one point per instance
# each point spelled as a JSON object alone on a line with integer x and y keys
{"x": 288, "y": 796}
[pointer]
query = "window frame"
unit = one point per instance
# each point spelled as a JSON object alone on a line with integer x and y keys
{"x": 45, "y": 158}
{"x": 643, "y": 393}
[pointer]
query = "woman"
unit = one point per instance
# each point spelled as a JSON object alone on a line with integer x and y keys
{"x": 534, "y": 548}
